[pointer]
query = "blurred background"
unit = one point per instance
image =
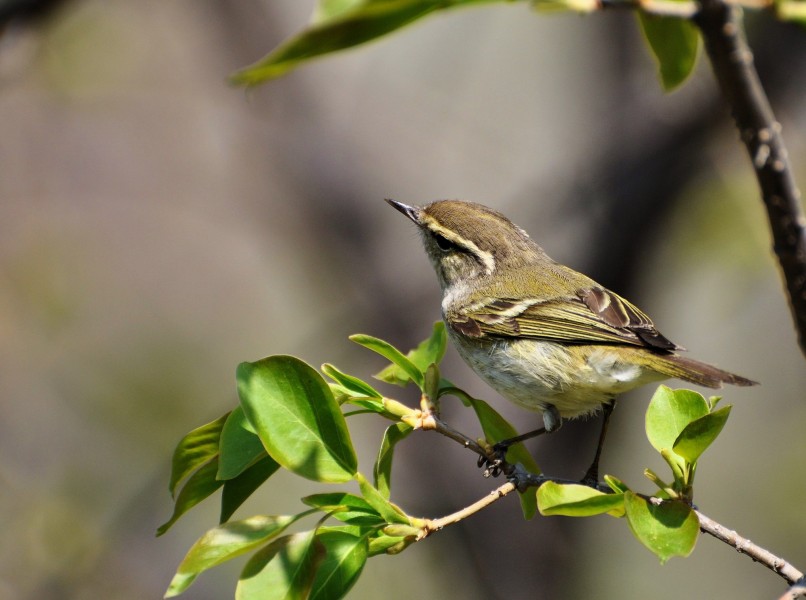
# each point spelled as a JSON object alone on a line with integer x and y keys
{"x": 158, "y": 226}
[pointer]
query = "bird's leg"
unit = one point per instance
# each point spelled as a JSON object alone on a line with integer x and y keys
{"x": 592, "y": 474}
{"x": 551, "y": 422}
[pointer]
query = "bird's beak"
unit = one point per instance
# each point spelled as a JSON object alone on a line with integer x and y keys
{"x": 412, "y": 212}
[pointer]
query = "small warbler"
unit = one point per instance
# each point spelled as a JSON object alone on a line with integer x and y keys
{"x": 542, "y": 335}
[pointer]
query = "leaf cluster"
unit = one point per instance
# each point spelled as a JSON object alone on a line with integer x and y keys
{"x": 680, "y": 425}
{"x": 289, "y": 417}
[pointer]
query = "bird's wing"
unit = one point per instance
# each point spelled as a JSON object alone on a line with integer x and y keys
{"x": 593, "y": 316}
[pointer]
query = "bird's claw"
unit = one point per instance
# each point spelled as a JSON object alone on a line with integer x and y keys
{"x": 494, "y": 462}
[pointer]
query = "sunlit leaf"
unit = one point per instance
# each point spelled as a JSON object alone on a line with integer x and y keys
{"x": 337, "y": 27}
{"x": 327, "y": 10}
{"x": 392, "y": 354}
{"x": 239, "y": 446}
{"x": 385, "y": 543}
{"x": 224, "y": 543}
{"x": 574, "y": 500}
{"x": 354, "y": 385}
{"x": 616, "y": 484}
{"x": 552, "y": 6}
{"x": 297, "y": 418}
{"x": 792, "y": 10}
{"x": 283, "y": 570}
{"x": 346, "y": 507}
{"x": 345, "y": 556}
{"x": 700, "y": 433}
{"x": 669, "y": 412}
{"x": 390, "y": 512}
{"x": 429, "y": 352}
{"x": 383, "y": 465}
{"x": 675, "y": 44}
{"x": 195, "y": 449}
{"x": 668, "y": 529}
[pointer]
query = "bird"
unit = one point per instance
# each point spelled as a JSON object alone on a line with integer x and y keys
{"x": 541, "y": 334}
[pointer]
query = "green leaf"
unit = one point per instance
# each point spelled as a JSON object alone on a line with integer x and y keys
{"x": 383, "y": 465}
{"x": 297, "y": 418}
{"x": 348, "y": 28}
{"x": 553, "y": 6}
{"x": 675, "y": 44}
{"x": 223, "y": 543}
{"x": 327, "y": 10}
{"x": 386, "y": 544}
{"x": 195, "y": 449}
{"x": 389, "y": 511}
{"x": 283, "y": 570}
{"x": 668, "y": 529}
{"x": 700, "y": 433}
{"x": 237, "y": 490}
{"x": 574, "y": 500}
{"x": 354, "y": 385}
{"x": 240, "y": 447}
{"x": 346, "y": 507}
{"x": 794, "y": 10}
{"x": 199, "y": 486}
{"x": 669, "y": 413}
{"x": 496, "y": 429}
{"x": 429, "y": 352}
{"x": 616, "y": 484}
{"x": 345, "y": 556}
{"x": 392, "y": 354}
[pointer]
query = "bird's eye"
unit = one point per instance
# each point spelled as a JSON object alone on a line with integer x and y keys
{"x": 444, "y": 243}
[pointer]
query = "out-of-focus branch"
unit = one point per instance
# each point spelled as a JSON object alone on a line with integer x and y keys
{"x": 732, "y": 62}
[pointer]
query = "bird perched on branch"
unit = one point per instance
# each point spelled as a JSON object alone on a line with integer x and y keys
{"x": 542, "y": 335}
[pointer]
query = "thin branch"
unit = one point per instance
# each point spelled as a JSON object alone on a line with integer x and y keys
{"x": 436, "y": 524}
{"x": 732, "y": 63}
{"x": 519, "y": 479}
{"x": 744, "y": 546}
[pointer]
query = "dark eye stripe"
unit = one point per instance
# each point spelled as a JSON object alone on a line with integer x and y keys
{"x": 444, "y": 243}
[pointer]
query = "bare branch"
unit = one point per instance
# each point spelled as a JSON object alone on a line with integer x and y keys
{"x": 436, "y": 524}
{"x": 745, "y": 546}
{"x": 519, "y": 479}
{"x": 732, "y": 62}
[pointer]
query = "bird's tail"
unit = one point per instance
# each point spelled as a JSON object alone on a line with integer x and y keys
{"x": 700, "y": 373}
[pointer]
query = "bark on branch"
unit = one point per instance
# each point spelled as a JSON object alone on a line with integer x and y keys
{"x": 732, "y": 63}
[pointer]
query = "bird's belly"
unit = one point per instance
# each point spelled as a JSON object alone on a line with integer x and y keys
{"x": 577, "y": 380}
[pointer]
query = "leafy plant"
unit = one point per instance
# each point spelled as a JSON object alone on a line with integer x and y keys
{"x": 290, "y": 418}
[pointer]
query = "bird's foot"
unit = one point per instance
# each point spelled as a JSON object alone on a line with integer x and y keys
{"x": 495, "y": 460}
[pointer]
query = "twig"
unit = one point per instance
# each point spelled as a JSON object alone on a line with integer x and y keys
{"x": 519, "y": 479}
{"x": 732, "y": 63}
{"x": 744, "y": 546}
{"x": 442, "y": 427}
{"x": 436, "y": 524}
